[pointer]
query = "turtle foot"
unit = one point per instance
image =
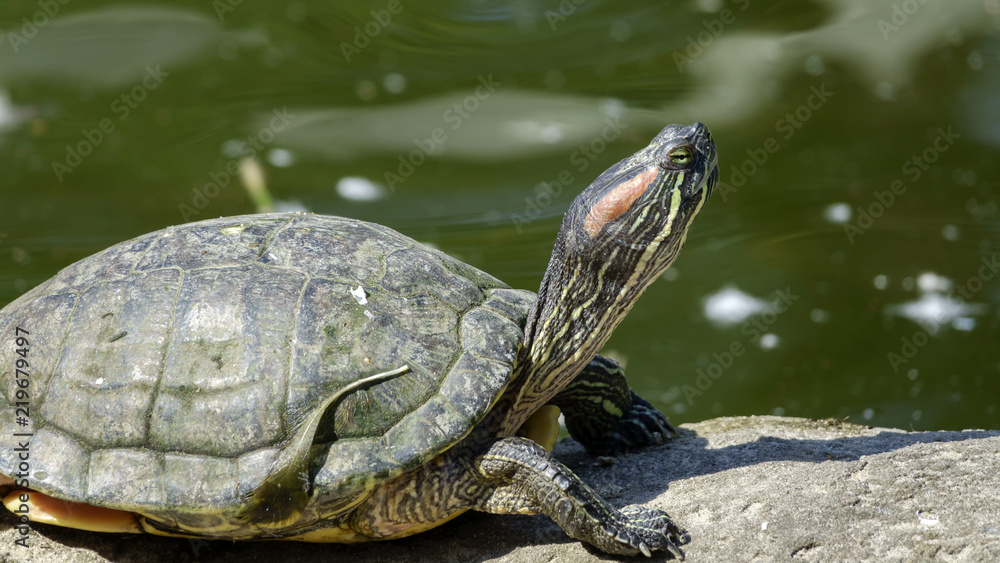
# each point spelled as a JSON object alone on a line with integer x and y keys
{"x": 646, "y": 530}
{"x": 528, "y": 480}
{"x": 642, "y": 425}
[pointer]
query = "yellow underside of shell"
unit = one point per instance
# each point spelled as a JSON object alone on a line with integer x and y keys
{"x": 50, "y": 510}
{"x": 542, "y": 427}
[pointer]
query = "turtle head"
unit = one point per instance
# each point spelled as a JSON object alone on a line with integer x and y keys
{"x": 617, "y": 237}
{"x": 641, "y": 207}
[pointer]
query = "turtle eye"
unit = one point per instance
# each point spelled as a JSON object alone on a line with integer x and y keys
{"x": 680, "y": 157}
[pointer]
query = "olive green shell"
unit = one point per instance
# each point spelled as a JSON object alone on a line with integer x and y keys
{"x": 167, "y": 372}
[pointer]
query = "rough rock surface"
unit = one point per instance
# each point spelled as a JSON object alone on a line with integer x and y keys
{"x": 746, "y": 489}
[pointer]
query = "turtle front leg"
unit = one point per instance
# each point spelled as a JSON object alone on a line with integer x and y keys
{"x": 531, "y": 481}
{"x": 605, "y": 415}
{"x": 509, "y": 475}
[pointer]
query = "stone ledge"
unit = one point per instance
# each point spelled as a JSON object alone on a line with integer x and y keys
{"x": 747, "y": 489}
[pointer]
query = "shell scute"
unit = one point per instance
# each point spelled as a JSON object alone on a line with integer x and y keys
{"x": 109, "y": 264}
{"x": 219, "y": 243}
{"x": 425, "y": 432}
{"x": 217, "y": 476}
{"x": 59, "y": 462}
{"x": 252, "y": 468}
{"x": 490, "y": 335}
{"x": 472, "y": 382}
{"x": 46, "y": 318}
{"x": 126, "y": 478}
{"x": 351, "y": 466}
{"x": 411, "y": 272}
{"x": 307, "y": 245}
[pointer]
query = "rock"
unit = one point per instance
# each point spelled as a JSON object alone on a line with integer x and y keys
{"x": 746, "y": 489}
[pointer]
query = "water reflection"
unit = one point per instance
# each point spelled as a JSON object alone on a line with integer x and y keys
{"x": 938, "y": 306}
{"x": 108, "y": 48}
{"x": 486, "y": 122}
{"x": 730, "y": 306}
{"x": 742, "y": 71}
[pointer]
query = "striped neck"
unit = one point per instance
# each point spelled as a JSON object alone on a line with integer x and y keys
{"x": 618, "y": 236}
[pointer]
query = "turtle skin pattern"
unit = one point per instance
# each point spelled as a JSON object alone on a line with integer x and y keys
{"x": 605, "y": 415}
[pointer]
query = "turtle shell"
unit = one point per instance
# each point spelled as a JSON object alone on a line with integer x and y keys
{"x": 168, "y": 372}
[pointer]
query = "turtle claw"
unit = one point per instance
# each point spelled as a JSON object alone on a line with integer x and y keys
{"x": 645, "y": 549}
{"x": 670, "y": 427}
{"x": 650, "y": 530}
{"x": 646, "y": 415}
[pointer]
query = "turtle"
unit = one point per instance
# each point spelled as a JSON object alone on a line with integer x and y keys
{"x": 306, "y": 377}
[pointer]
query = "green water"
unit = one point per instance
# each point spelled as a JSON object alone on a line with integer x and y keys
{"x": 858, "y": 141}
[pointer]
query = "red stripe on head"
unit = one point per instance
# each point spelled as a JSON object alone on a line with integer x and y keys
{"x": 618, "y": 200}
